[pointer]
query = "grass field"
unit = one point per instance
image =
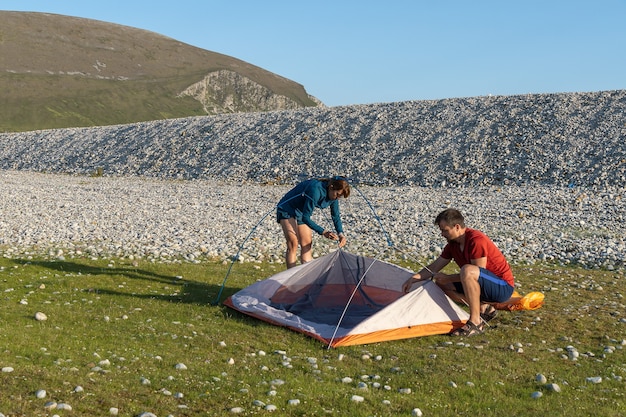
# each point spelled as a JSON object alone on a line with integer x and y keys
{"x": 136, "y": 337}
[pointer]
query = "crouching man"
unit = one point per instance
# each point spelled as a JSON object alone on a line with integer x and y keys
{"x": 485, "y": 276}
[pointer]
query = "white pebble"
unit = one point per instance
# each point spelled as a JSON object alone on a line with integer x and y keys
{"x": 7, "y": 369}
{"x": 541, "y": 379}
{"x": 357, "y": 399}
{"x": 64, "y": 406}
{"x": 271, "y": 407}
{"x": 41, "y": 394}
{"x": 536, "y": 395}
{"x": 594, "y": 379}
{"x": 50, "y": 405}
{"x": 39, "y": 316}
{"x": 416, "y": 412}
{"x": 181, "y": 366}
{"x": 294, "y": 402}
{"x": 114, "y": 411}
{"x": 553, "y": 387}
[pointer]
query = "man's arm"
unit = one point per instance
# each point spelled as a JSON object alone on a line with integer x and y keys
{"x": 428, "y": 272}
{"x": 480, "y": 262}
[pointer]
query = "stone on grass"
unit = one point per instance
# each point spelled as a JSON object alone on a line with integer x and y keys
{"x": 553, "y": 387}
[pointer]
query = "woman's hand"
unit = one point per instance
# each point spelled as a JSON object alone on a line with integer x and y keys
{"x": 333, "y": 236}
{"x": 329, "y": 235}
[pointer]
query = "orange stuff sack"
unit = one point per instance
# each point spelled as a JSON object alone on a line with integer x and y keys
{"x": 530, "y": 301}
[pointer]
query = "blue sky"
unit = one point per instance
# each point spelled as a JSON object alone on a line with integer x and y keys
{"x": 348, "y": 52}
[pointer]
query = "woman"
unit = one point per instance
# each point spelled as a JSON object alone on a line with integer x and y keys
{"x": 295, "y": 209}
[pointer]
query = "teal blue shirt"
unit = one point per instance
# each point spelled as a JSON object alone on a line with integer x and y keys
{"x": 305, "y": 197}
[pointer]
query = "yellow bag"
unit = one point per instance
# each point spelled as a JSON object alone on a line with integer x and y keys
{"x": 531, "y": 301}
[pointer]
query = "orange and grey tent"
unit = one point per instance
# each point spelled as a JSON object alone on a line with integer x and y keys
{"x": 343, "y": 299}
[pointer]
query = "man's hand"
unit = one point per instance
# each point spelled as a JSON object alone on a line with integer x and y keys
{"x": 406, "y": 287}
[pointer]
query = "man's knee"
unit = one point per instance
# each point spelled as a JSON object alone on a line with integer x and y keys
{"x": 469, "y": 271}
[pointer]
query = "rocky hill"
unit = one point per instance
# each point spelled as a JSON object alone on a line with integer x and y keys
{"x": 576, "y": 139}
{"x": 60, "y": 71}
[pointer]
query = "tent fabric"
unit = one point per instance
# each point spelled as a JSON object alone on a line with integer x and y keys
{"x": 343, "y": 299}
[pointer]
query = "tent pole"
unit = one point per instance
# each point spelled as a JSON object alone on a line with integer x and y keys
{"x": 236, "y": 257}
{"x": 380, "y": 223}
{"x": 345, "y": 309}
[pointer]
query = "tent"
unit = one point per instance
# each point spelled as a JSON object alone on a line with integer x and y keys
{"x": 343, "y": 299}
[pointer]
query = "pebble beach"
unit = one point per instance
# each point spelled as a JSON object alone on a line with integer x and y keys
{"x": 543, "y": 175}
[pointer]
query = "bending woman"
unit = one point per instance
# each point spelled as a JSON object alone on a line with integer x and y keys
{"x": 294, "y": 213}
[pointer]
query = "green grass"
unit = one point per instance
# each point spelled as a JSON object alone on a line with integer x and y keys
{"x": 145, "y": 318}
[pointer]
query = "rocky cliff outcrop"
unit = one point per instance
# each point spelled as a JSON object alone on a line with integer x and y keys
{"x": 226, "y": 91}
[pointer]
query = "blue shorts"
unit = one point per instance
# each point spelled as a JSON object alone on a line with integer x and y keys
{"x": 493, "y": 289}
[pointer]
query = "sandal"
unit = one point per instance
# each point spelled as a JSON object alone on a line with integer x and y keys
{"x": 469, "y": 329}
{"x": 489, "y": 314}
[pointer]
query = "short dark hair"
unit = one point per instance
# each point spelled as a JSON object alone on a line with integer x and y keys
{"x": 451, "y": 217}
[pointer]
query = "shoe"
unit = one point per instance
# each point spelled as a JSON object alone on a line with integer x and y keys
{"x": 489, "y": 314}
{"x": 469, "y": 329}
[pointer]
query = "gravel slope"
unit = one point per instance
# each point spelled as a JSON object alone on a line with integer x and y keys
{"x": 544, "y": 175}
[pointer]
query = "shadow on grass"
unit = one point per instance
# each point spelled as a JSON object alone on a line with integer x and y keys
{"x": 192, "y": 292}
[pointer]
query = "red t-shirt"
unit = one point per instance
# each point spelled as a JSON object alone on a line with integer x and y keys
{"x": 478, "y": 245}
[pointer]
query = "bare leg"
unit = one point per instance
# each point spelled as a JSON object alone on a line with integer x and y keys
{"x": 471, "y": 288}
{"x": 450, "y": 291}
{"x": 305, "y": 237}
{"x": 290, "y": 227}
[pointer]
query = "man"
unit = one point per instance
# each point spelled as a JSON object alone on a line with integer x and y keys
{"x": 485, "y": 276}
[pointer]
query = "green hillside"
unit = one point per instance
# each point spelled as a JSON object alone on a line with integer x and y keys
{"x": 60, "y": 71}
